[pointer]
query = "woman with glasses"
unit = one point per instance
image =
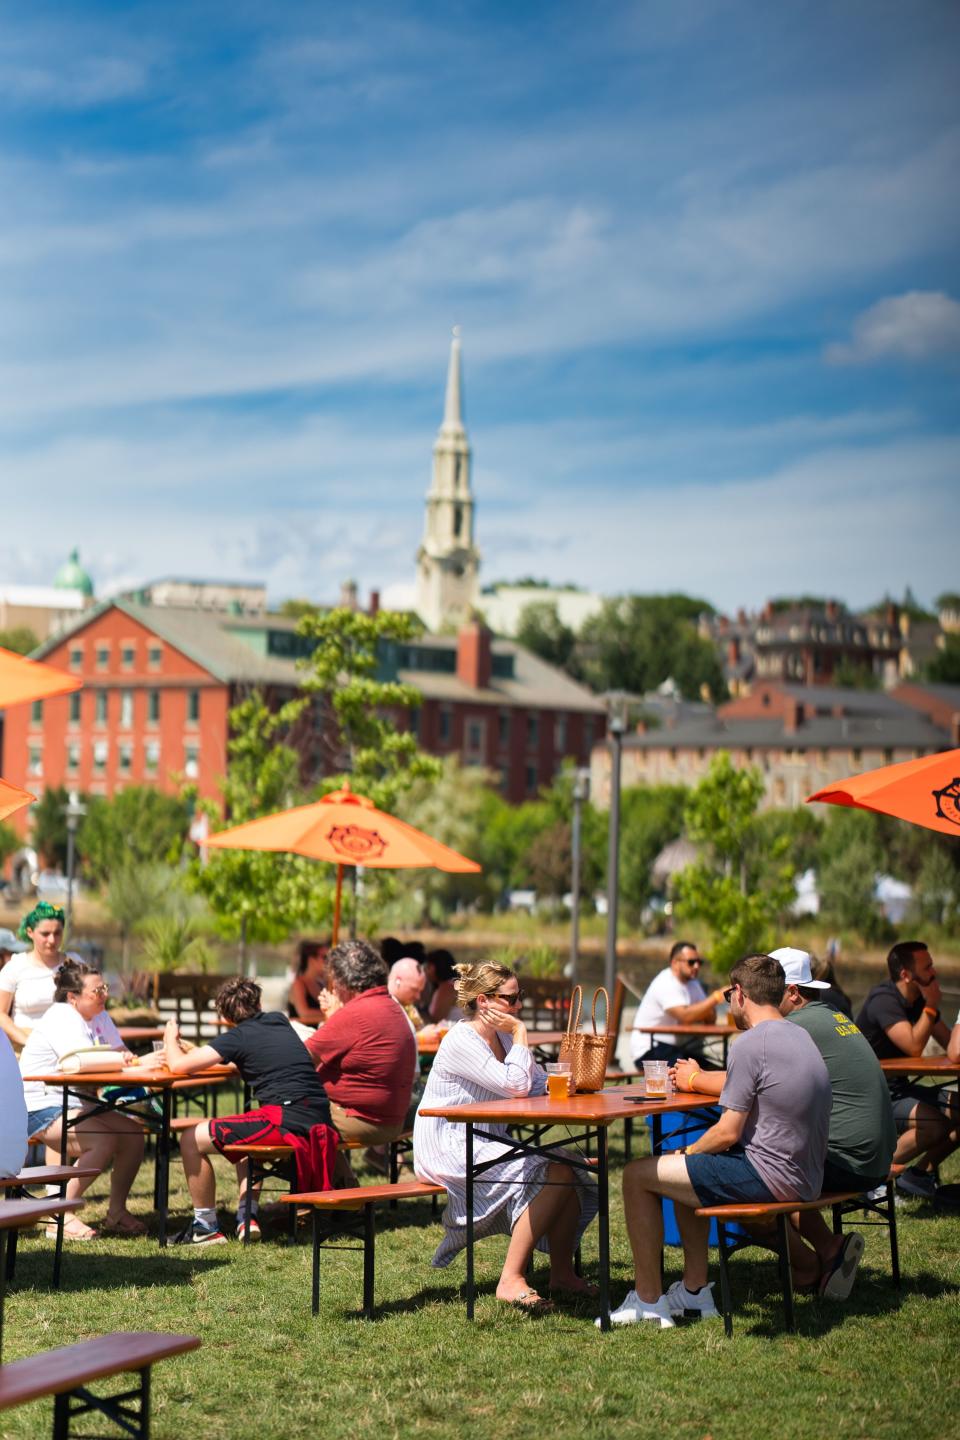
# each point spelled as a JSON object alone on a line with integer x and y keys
{"x": 537, "y": 1202}
{"x": 78, "y": 1020}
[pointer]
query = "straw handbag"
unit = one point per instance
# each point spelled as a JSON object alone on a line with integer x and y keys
{"x": 589, "y": 1054}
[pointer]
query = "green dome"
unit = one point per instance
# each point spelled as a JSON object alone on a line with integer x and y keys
{"x": 72, "y": 576}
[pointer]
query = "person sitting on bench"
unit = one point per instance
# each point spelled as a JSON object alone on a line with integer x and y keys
{"x": 862, "y": 1133}
{"x": 272, "y": 1059}
{"x": 769, "y": 1144}
{"x": 78, "y": 1020}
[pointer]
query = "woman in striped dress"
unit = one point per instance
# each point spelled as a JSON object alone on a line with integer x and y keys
{"x": 537, "y": 1202}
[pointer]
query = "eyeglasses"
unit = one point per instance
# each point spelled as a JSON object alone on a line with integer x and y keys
{"x": 100, "y": 990}
{"x": 728, "y": 992}
{"x": 515, "y": 998}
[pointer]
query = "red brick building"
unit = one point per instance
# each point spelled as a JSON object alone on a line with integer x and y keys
{"x": 160, "y": 680}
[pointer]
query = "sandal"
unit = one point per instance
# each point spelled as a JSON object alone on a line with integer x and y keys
{"x": 531, "y": 1303}
{"x": 73, "y": 1229}
{"x": 126, "y": 1227}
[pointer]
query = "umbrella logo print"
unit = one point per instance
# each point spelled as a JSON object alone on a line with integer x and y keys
{"x": 356, "y": 843}
{"x": 948, "y": 801}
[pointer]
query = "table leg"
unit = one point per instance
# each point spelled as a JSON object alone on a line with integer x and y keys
{"x": 470, "y": 1295}
{"x": 163, "y": 1164}
{"x": 603, "y": 1225}
{"x": 61, "y": 1218}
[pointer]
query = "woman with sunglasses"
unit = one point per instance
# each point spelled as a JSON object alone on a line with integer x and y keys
{"x": 537, "y": 1202}
{"x": 75, "y": 1021}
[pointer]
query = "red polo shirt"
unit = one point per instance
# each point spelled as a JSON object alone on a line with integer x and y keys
{"x": 364, "y": 1055}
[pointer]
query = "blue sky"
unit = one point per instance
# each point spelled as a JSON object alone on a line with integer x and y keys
{"x": 704, "y": 255}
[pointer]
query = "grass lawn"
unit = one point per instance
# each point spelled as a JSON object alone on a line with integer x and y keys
{"x": 863, "y": 1368}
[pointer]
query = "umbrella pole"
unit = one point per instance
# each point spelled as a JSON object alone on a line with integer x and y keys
{"x": 336, "y": 905}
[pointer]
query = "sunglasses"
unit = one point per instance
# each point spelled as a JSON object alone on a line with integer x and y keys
{"x": 516, "y": 998}
{"x": 99, "y": 990}
{"x": 728, "y": 992}
{"x": 695, "y": 960}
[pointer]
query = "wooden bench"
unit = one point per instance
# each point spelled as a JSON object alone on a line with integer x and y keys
{"x": 20, "y": 1185}
{"x": 841, "y": 1203}
{"x": 67, "y": 1372}
{"x": 358, "y": 1198}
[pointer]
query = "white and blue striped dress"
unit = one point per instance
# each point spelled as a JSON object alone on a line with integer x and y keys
{"x": 466, "y": 1071}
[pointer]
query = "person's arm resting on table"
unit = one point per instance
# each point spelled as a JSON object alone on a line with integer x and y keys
{"x": 701, "y": 1012}
{"x": 690, "y": 1079}
{"x": 721, "y": 1136}
{"x": 186, "y": 1062}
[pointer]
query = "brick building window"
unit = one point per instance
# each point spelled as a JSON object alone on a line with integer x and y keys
{"x": 101, "y": 753}
{"x": 73, "y": 757}
{"x": 76, "y": 657}
{"x": 126, "y": 709}
{"x": 193, "y": 707}
{"x": 35, "y": 760}
{"x": 503, "y": 729}
{"x": 474, "y": 742}
{"x": 191, "y": 761}
{"x": 100, "y": 708}
{"x": 533, "y": 731}
{"x": 151, "y": 756}
{"x": 36, "y": 713}
{"x": 75, "y": 708}
{"x": 125, "y": 757}
{"x": 530, "y": 779}
{"x": 154, "y": 656}
{"x": 444, "y": 725}
{"x": 153, "y": 707}
{"x": 560, "y": 734}
{"x": 103, "y": 655}
{"x": 128, "y": 654}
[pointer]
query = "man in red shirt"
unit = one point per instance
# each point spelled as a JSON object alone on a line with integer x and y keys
{"x": 365, "y": 1052}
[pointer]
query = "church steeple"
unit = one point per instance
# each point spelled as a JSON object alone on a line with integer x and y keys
{"x": 448, "y": 562}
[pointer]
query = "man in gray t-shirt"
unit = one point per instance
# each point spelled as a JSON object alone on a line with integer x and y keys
{"x": 769, "y": 1144}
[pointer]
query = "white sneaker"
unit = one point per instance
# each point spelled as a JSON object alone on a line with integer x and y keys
{"x": 634, "y": 1311}
{"x": 684, "y": 1306}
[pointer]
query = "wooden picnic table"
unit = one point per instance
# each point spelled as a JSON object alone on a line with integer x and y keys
{"x": 149, "y": 1077}
{"x": 922, "y": 1065}
{"x": 18, "y": 1215}
{"x": 430, "y": 1044}
{"x": 593, "y": 1115}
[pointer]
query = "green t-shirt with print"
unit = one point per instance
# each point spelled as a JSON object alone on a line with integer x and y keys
{"x": 862, "y": 1130}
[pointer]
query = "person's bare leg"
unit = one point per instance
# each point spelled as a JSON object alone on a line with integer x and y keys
{"x": 644, "y": 1182}
{"x": 90, "y": 1149}
{"x": 535, "y": 1221}
{"x": 695, "y": 1235}
{"x": 195, "y": 1149}
{"x": 563, "y": 1242}
{"x": 127, "y": 1159}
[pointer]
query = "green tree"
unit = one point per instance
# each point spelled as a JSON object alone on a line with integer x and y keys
{"x": 257, "y": 895}
{"x": 140, "y": 826}
{"x": 135, "y": 893}
{"x": 49, "y": 832}
{"x": 651, "y": 816}
{"x": 944, "y": 668}
{"x": 541, "y": 630}
{"x": 637, "y": 641}
{"x": 20, "y": 639}
{"x": 348, "y": 667}
{"x": 10, "y": 842}
{"x": 737, "y": 886}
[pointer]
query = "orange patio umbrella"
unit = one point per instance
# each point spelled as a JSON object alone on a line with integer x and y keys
{"x": 345, "y": 829}
{"x": 12, "y": 799}
{"x": 22, "y": 680}
{"x": 924, "y": 792}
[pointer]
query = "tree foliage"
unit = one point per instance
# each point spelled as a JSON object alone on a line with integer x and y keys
{"x": 541, "y": 630}
{"x": 651, "y": 816}
{"x": 21, "y": 639}
{"x": 139, "y": 826}
{"x": 738, "y": 886}
{"x": 636, "y": 642}
{"x": 944, "y": 668}
{"x": 49, "y": 827}
{"x": 10, "y": 842}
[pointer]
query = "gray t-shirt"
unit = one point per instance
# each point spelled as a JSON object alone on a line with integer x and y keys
{"x": 777, "y": 1075}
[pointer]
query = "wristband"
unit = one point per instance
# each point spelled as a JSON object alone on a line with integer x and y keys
{"x": 929, "y": 1010}
{"x": 690, "y": 1079}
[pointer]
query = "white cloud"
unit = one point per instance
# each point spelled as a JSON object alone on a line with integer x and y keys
{"x": 920, "y": 325}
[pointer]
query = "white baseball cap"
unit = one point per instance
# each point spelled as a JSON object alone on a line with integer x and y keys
{"x": 796, "y": 968}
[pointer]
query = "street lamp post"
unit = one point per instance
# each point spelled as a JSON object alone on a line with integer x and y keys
{"x": 581, "y": 793}
{"x": 74, "y": 813}
{"x": 616, "y": 725}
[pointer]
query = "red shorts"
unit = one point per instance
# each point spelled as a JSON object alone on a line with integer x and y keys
{"x": 256, "y": 1127}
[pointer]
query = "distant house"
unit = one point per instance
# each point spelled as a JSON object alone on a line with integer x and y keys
{"x": 799, "y": 736}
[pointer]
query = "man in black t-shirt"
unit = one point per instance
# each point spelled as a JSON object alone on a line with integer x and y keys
{"x": 273, "y": 1060}
{"x": 898, "y": 1017}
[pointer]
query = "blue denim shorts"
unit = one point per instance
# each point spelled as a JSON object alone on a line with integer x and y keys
{"x": 38, "y": 1120}
{"x": 726, "y": 1179}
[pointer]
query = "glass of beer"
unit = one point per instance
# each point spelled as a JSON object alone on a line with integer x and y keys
{"x": 655, "y": 1079}
{"x": 559, "y": 1080}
